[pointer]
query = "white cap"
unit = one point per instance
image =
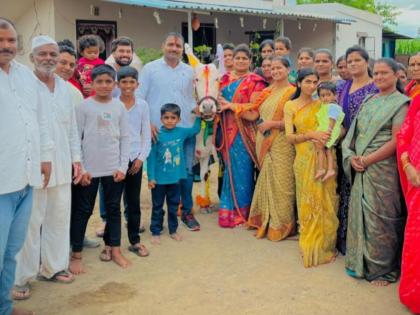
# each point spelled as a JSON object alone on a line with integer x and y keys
{"x": 42, "y": 40}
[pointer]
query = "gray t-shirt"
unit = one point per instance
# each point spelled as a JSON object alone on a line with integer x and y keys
{"x": 105, "y": 136}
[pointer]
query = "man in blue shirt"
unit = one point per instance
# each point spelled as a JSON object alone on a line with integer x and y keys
{"x": 169, "y": 80}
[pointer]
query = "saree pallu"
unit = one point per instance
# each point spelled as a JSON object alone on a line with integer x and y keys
{"x": 412, "y": 89}
{"x": 409, "y": 141}
{"x": 272, "y": 209}
{"x": 350, "y": 102}
{"x": 316, "y": 201}
{"x": 376, "y": 212}
{"x": 236, "y": 140}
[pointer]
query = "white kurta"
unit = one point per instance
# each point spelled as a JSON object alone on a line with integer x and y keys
{"x": 24, "y": 137}
{"x": 48, "y": 238}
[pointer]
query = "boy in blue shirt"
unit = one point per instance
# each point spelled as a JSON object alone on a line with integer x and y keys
{"x": 166, "y": 167}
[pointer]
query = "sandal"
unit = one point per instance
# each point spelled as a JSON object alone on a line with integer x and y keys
{"x": 140, "y": 250}
{"x": 105, "y": 255}
{"x": 24, "y": 292}
{"x": 58, "y": 277}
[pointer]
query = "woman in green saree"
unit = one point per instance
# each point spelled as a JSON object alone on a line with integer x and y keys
{"x": 376, "y": 219}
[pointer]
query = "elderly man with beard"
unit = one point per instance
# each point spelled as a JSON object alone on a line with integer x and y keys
{"x": 24, "y": 143}
{"x": 47, "y": 245}
{"x": 169, "y": 80}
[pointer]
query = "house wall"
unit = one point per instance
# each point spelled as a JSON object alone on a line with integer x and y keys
{"x": 37, "y": 19}
{"x": 347, "y": 35}
{"x": 57, "y": 18}
{"x": 319, "y": 36}
{"x": 139, "y": 24}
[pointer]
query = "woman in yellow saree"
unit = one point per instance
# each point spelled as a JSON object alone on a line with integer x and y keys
{"x": 317, "y": 201}
{"x": 272, "y": 208}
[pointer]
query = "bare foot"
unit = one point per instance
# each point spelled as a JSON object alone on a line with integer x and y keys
{"x": 329, "y": 174}
{"x": 76, "y": 266}
{"x": 155, "y": 240}
{"x": 175, "y": 236}
{"x": 319, "y": 174}
{"x": 17, "y": 311}
{"x": 379, "y": 283}
{"x": 118, "y": 258}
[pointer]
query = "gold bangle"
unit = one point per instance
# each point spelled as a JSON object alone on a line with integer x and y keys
{"x": 405, "y": 166}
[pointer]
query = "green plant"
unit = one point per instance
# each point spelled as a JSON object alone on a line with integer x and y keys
{"x": 147, "y": 55}
{"x": 202, "y": 52}
{"x": 407, "y": 46}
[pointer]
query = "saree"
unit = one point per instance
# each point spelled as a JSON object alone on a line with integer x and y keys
{"x": 376, "y": 213}
{"x": 235, "y": 138}
{"x": 350, "y": 102}
{"x": 412, "y": 89}
{"x": 316, "y": 201}
{"x": 272, "y": 208}
{"x": 409, "y": 141}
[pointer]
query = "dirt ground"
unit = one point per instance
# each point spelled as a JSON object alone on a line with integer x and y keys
{"x": 214, "y": 271}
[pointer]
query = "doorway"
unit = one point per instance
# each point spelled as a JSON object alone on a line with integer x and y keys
{"x": 106, "y": 30}
{"x": 205, "y": 35}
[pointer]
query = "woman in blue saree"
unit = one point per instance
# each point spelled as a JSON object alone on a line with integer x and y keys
{"x": 236, "y": 139}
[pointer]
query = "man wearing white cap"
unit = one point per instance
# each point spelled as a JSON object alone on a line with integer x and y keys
{"x": 26, "y": 150}
{"x": 47, "y": 241}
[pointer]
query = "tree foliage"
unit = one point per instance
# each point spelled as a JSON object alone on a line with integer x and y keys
{"x": 388, "y": 11}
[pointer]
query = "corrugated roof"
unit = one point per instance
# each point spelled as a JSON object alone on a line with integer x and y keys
{"x": 287, "y": 11}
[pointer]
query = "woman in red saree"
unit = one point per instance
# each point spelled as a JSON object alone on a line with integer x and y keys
{"x": 413, "y": 88}
{"x": 408, "y": 149}
{"x": 235, "y": 139}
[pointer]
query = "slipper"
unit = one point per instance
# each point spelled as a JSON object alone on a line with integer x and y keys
{"x": 25, "y": 290}
{"x": 105, "y": 255}
{"x": 139, "y": 250}
{"x": 55, "y": 278}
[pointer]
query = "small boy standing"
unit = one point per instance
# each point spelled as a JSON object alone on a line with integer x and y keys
{"x": 140, "y": 134}
{"x": 166, "y": 167}
{"x": 105, "y": 138}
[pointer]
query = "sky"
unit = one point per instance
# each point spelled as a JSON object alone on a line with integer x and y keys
{"x": 409, "y": 19}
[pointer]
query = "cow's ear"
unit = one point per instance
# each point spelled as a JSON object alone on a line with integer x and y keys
{"x": 192, "y": 59}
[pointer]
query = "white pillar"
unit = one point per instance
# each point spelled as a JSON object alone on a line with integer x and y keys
{"x": 282, "y": 27}
{"x": 190, "y": 31}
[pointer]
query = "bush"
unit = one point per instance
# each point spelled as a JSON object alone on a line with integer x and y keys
{"x": 147, "y": 55}
{"x": 407, "y": 46}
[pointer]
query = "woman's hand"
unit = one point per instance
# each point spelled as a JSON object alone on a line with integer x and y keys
{"x": 356, "y": 163}
{"x": 264, "y": 126}
{"x": 412, "y": 175}
{"x": 224, "y": 104}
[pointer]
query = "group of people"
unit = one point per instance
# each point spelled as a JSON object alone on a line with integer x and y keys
{"x": 327, "y": 159}
{"x": 342, "y": 150}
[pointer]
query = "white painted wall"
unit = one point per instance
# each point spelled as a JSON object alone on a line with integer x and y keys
{"x": 319, "y": 36}
{"x": 139, "y": 23}
{"x": 365, "y": 22}
{"x": 58, "y": 19}
{"x": 34, "y": 21}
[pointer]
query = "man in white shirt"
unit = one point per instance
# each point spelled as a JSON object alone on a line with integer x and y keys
{"x": 169, "y": 80}
{"x": 47, "y": 245}
{"x": 25, "y": 146}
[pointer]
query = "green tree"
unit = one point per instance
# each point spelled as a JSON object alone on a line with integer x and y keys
{"x": 389, "y": 12}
